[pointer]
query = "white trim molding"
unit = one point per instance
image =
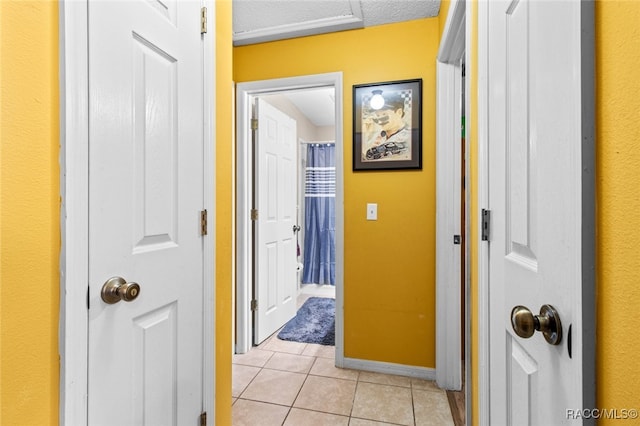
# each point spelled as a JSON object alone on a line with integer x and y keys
{"x": 209, "y": 163}
{"x": 452, "y": 46}
{"x": 448, "y": 216}
{"x": 74, "y": 211}
{"x": 301, "y": 29}
{"x": 448, "y": 196}
{"x": 413, "y": 371}
{"x": 318, "y": 26}
{"x": 484, "y": 388}
{"x": 245, "y": 93}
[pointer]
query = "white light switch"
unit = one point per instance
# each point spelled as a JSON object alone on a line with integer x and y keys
{"x": 372, "y": 211}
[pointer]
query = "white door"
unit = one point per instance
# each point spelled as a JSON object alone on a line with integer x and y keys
{"x": 275, "y": 189}
{"x": 146, "y": 194}
{"x": 541, "y": 247}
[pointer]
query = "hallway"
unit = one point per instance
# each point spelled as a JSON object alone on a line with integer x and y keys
{"x": 290, "y": 383}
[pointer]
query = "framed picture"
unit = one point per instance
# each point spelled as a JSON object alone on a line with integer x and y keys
{"x": 387, "y": 125}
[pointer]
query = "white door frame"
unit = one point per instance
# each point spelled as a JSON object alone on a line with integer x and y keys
{"x": 244, "y": 175}
{"x": 483, "y": 202}
{"x": 74, "y": 212}
{"x": 587, "y": 76}
{"x": 448, "y": 209}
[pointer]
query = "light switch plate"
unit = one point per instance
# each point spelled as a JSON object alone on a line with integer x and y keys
{"x": 372, "y": 211}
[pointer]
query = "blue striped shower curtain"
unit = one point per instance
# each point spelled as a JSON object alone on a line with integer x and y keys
{"x": 320, "y": 217}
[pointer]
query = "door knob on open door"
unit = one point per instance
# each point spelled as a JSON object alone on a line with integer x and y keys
{"x": 524, "y": 323}
{"x": 117, "y": 289}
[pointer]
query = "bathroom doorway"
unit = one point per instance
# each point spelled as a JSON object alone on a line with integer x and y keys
{"x": 282, "y": 93}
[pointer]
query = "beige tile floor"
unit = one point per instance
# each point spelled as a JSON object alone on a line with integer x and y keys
{"x": 297, "y": 384}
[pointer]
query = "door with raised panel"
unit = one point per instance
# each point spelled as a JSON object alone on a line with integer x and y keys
{"x": 275, "y": 245}
{"x": 146, "y": 193}
{"x": 541, "y": 203}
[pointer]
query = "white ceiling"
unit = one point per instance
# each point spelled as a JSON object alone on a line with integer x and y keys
{"x": 318, "y": 105}
{"x": 257, "y": 21}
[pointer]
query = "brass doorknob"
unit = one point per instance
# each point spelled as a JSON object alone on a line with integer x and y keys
{"x": 117, "y": 289}
{"x": 524, "y": 323}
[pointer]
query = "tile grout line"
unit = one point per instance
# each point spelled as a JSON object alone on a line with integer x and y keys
{"x": 413, "y": 404}
{"x": 353, "y": 401}
{"x": 254, "y": 377}
{"x": 299, "y": 390}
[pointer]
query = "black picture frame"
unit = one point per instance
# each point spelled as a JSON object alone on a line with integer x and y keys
{"x": 387, "y": 134}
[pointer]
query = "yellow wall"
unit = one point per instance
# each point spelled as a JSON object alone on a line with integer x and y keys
{"x": 29, "y": 221}
{"x": 389, "y": 285}
{"x": 442, "y": 14}
{"x": 618, "y": 201}
{"x": 471, "y": 126}
{"x": 224, "y": 210}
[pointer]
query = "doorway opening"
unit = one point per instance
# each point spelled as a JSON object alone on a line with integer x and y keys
{"x": 457, "y": 398}
{"x": 452, "y": 218}
{"x": 285, "y": 93}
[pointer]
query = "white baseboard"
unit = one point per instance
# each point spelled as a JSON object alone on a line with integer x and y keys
{"x": 424, "y": 373}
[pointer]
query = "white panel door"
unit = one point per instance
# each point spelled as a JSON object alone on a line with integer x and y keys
{"x": 146, "y": 194}
{"x": 275, "y": 186}
{"x": 537, "y": 248}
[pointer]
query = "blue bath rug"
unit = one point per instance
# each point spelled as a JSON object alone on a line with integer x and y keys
{"x": 315, "y": 322}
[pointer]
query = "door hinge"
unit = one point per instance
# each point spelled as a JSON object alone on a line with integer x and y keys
{"x": 203, "y": 418}
{"x": 457, "y": 239}
{"x": 254, "y": 214}
{"x": 254, "y": 305}
{"x": 203, "y": 222}
{"x": 486, "y": 225}
{"x": 254, "y": 124}
{"x": 203, "y": 20}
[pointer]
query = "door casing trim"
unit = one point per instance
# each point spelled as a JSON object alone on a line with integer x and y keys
{"x": 448, "y": 208}
{"x": 244, "y": 178}
{"x": 483, "y": 203}
{"x": 74, "y": 213}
